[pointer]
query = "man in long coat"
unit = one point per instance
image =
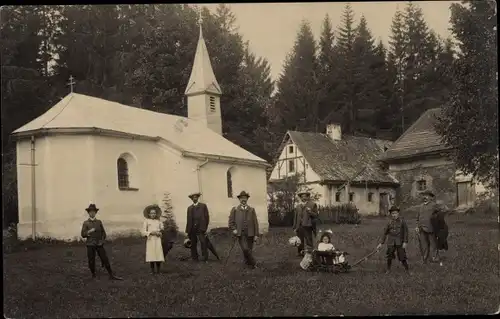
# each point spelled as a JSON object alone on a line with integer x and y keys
{"x": 304, "y": 222}
{"x": 426, "y": 235}
{"x": 196, "y": 227}
{"x": 244, "y": 225}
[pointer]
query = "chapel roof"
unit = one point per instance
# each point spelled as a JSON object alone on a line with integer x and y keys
{"x": 341, "y": 160}
{"x": 78, "y": 111}
{"x": 420, "y": 138}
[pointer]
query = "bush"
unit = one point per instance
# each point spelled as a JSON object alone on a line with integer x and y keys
{"x": 277, "y": 218}
{"x": 170, "y": 228}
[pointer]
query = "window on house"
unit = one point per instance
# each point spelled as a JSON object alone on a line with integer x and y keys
{"x": 370, "y": 197}
{"x": 291, "y": 166}
{"x": 421, "y": 185}
{"x": 337, "y": 196}
{"x": 229, "y": 179}
{"x": 123, "y": 180}
{"x": 290, "y": 149}
{"x": 351, "y": 197}
{"x": 212, "y": 104}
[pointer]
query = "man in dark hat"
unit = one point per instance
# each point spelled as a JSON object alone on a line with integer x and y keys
{"x": 396, "y": 233}
{"x": 244, "y": 225}
{"x": 196, "y": 226}
{"x": 304, "y": 222}
{"x": 93, "y": 231}
{"x": 426, "y": 235}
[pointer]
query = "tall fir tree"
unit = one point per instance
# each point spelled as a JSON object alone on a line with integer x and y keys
{"x": 296, "y": 102}
{"x": 345, "y": 112}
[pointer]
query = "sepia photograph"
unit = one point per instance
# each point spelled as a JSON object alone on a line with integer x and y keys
{"x": 291, "y": 159}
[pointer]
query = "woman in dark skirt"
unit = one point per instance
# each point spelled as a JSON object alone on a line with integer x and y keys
{"x": 440, "y": 230}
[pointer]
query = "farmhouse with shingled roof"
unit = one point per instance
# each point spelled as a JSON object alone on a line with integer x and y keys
{"x": 340, "y": 169}
{"x": 419, "y": 160}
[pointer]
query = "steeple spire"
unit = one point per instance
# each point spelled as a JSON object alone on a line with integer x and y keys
{"x": 202, "y": 79}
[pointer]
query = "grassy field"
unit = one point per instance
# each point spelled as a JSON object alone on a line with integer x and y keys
{"x": 53, "y": 281}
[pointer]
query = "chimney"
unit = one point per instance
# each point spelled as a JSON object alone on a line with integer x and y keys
{"x": 334, "y": 131}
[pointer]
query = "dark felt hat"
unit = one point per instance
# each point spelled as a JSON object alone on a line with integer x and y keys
{"x": 394, "y": 208}
{"x": 152, "y": 207}
{"x": 428, "y": 192}
{"x": 92, "y": 207}
{"x": 194, "y": 194}
{"x": 304, "y": 193}
{"x": 187, "y": 243}
{"x": 243, "y": 194}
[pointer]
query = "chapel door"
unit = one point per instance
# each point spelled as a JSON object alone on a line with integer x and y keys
{"x": 465, "y": 194}
{"x": 384, "y": 204}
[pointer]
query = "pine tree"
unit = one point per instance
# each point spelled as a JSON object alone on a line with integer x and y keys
{"x": 297, "y": 100}
{"x": 346, "y": 111}
{"x": 468, "y": 122}
{"x": 365, "y": 84}
{"x": 326, "y": 74}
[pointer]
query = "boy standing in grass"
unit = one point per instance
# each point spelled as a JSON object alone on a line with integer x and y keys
{"x": 396, "y": 233}
{"x": 93, "y": 231}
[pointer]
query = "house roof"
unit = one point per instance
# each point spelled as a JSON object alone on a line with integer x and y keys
{"x": 420, "y": 138}
{"x": 77, "y": 111}
{"x": 202, "y": 78}
{"x": 349, "y": 158}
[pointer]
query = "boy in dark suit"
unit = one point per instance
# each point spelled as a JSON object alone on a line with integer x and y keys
{"x": 396, "y": 233}
{"x": 196, "y": 227}
{"x": 244, "y": 225}
{"x": 93, "y": 231}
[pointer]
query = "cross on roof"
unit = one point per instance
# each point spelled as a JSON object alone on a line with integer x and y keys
{"x": 200, "y": 19}
{"x": 71, "y": 82}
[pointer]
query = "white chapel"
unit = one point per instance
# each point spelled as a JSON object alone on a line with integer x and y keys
{"x": 85, "y": 149}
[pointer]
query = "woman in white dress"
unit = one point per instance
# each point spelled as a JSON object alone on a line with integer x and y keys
{"x": 152, "y": 230}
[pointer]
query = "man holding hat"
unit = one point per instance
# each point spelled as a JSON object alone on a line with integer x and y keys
{"x": 244, "y": 225}
{"x": 304, "y": 221}
{"x": 196, "y": 226}
{"x": 425, "y": 231}
{"x": 93, "y": 231}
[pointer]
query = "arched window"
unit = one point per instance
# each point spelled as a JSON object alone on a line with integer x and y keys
{"x": 123, "y": 180}
{"x": 229, "y": 179}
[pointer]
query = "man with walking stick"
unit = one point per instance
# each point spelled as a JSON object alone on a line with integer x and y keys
{"x": 196, "y": 227}
{"x": 425, "y": 232}
{"x": 243, "y": 224}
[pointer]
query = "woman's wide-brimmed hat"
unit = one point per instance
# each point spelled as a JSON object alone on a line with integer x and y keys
{"x": 304, "y": 193}
{"x": 243, "y": 194}
{"x": 92, "y": 207}
{"x": 194, "y": 194}
{"x": 150, "y": 208}
{"x": 428, "y": 192}
{"x": 394, "y": 208}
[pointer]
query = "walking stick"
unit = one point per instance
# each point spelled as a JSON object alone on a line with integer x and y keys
{"x": 365, "y": 258}
{"x": 420, "y": 244}
{"x": 229, "y": 252}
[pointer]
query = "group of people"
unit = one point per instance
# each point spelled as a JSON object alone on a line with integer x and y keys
{"x": 243, "y": 224}
{"x": 432, "y": 231}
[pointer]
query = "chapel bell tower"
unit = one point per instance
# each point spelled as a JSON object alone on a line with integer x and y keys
{"x": 203, "y": 92}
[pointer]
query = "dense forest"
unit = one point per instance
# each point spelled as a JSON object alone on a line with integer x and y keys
{"x": 141, "y": 55}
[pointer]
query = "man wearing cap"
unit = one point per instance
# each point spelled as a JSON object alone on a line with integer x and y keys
{"x": 426, "y": 236}
{"x": 93, "y": 231}
{"x": 196, "y": 226}
{"x": 304, "y": 221}
{"x": 244, "y": 225}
